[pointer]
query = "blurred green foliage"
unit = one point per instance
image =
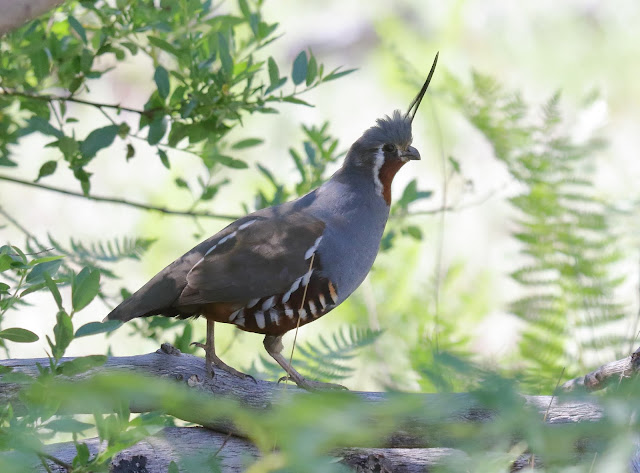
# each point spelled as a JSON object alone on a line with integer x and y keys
{"x": 209, "y": 70}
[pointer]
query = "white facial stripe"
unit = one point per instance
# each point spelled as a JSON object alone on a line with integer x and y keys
{"x": 313, "y": 249}
{"x": 210, "y": 249}
{"x": 376, "y": 171}
{"x": 260, "y": 322}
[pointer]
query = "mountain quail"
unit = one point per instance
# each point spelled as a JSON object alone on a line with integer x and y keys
{"x": 285, "y": 266}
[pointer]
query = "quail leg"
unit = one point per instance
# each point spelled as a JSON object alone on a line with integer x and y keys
{"x": 273, "y": 345}
{"x": 212, "y": 359}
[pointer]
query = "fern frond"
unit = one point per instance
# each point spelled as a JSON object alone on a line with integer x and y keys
{"x": 324, "y": 359}
{"x": 105, "y": 251}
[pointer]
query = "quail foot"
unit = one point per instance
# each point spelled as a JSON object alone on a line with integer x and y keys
{"x": 285, "y": 266}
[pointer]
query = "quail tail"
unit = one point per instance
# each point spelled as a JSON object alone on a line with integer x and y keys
{"x": 273, "y": 345}
{"x": 211, "y": 359}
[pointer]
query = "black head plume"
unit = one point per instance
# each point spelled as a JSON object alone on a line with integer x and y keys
{"x": 413, "y": 108}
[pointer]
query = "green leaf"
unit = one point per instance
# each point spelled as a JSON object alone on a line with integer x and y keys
{"x": 5, "y": 262}
{"x": 84, "y": 288}
{"x": 231, "y": 162}
{"x": 82, "y": 364}
{"x": 164, "y": 158}
{"x": 37, "y": 123}
{"x": 414, "y": 232}
{"x": 68, "y": 146}
{"x": 53, "y": 288}
{"x": 225, "y": 56}
{"x": 47, "y": 169}
{"x": 295, "y": 100}
{"x": 244, "y": 8}
{"x": 454, "y": 164}
{"x": 336, "y": 75}
{"x": 63, "y": 334}
{"x": 67, "y": 424}
{"x": 162, "y": 44}
{"x": 83, "y": 454}
{"x": 78, "y": 28}
{"x": 98, "y": 139}
{"x": 181, "y": 183}
{"x": 19, "y": 335}
{"x": 312, "y": 70}
{"x": 37, "y": 273}
{"x": 274, "y": 73}
{"x": 247, "y": 143}
{"x": 45, "y": 259}
{"x": 40, "y": 63}
{"x": 161, "y": 77}
{"x": 300, "y": 66}
{"x": 157, "y": 130}
{"x": 173, "y": 468}
{"x": 93, "y": 328}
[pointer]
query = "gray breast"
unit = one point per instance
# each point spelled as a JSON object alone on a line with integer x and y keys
{"x": 354, "y": 226}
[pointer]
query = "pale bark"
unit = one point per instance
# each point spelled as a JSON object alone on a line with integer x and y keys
{"x": 613, "y": 372}
{"x": 14, "y": 13}
{"x": 185, "y": 445}
{"x": 417, "y": 431}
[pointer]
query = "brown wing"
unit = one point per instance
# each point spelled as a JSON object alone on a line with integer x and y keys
{"x": 257, "y": 260}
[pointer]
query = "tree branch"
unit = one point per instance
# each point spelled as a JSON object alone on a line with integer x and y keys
{"x": 414, "y": 431}
{"x": 16, "y": 13}
{"x": 606, "y": 374}
{"x": 183, "y": 445}
{"x": 114, "y": 200}
{"x": 55, "y": 98}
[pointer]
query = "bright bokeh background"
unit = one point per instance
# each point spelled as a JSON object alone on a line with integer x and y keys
{"x": 580, "y": 47}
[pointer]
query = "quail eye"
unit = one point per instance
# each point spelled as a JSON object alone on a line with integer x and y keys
{"x": 389, "y": 148}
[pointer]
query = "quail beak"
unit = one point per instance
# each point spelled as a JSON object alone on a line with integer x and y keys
{"x": 410, "y": 154}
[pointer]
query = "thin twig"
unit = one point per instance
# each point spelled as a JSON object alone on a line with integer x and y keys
{"x": 455, "y": 208}
{"x": 440, "y": 237}
{"x": 223, "y": 444}
{"x": 114, "y": 200}
{"x": 45, "y": 464}
{"x": 595, "y": 455}
{"x": 546, "y": 414}
{"x": 15, "y": 223}
{"x": 54, "y": 98}
{"x": 55, "y": 460}
{"x": 304, "y": 296}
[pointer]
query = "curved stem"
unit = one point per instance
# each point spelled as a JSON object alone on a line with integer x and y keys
{"x": 114, "y": 200}
{"x": 53, "y": 98}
